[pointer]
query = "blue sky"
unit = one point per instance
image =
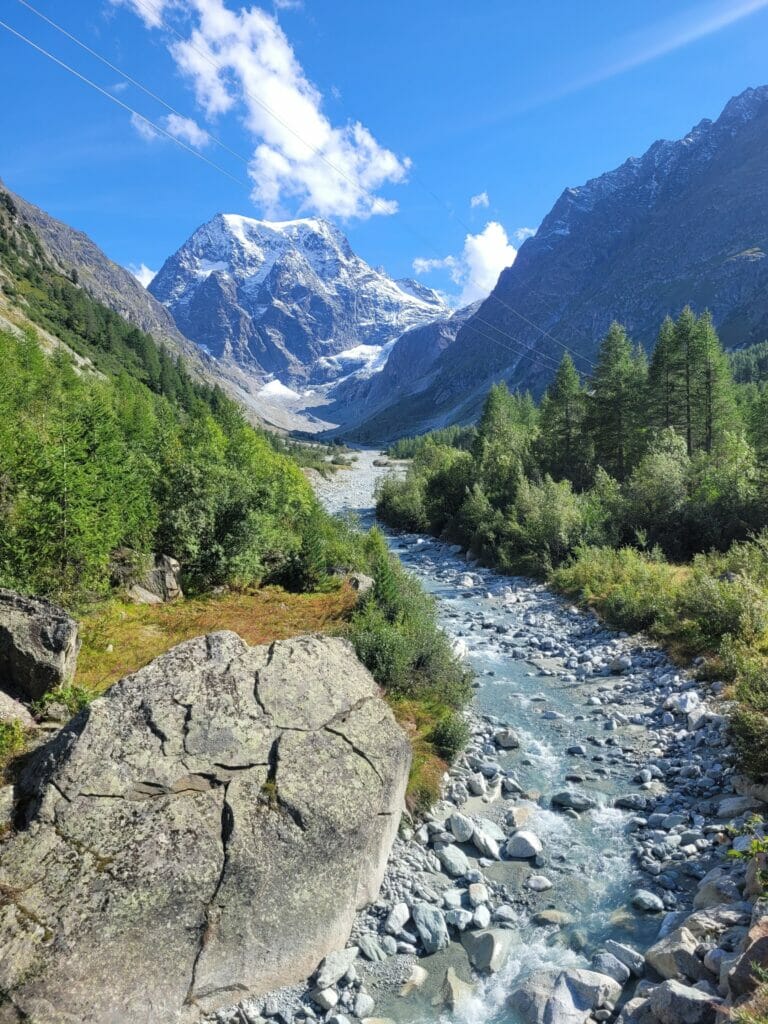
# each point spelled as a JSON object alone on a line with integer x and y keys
{"x": 391, "y": 116}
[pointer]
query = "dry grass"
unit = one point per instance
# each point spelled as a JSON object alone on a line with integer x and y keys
{"x": 120, "y": 638}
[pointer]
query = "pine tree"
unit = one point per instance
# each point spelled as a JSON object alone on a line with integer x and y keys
{"x": 716, "y": 402}
{"x": 618, "y": 387}
{"x": 664, "y": 378}
{"x": 561, "y": 421}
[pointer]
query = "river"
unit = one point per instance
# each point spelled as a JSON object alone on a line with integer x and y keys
{"x": 528, "y": 650}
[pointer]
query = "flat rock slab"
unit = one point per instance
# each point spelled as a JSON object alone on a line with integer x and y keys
{"x": 202, "y": 833}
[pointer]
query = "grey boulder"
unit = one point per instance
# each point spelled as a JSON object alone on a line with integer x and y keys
{"x": 39, "y": 645}
{"x": 488, "y": 949}
{"x": 563, "y": 997}
{"x": 208, "y": 828}
{"x": 675, "y": 1003}
{"x": 431, "y": 926}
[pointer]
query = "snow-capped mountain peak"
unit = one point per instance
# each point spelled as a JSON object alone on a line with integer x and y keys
{"x": 281, "y": 297}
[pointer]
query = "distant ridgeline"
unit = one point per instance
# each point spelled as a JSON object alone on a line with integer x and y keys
{"x": 606, "y": 478}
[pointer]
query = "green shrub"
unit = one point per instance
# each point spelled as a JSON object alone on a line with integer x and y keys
{"x": 749, "y": 730}
{"x": 632, "y": 589}
{"x": 12, "y": 740}
{"x": 450, "y": 736}
{"x": 400, "y": 502}
{"x": 731, "y": 605}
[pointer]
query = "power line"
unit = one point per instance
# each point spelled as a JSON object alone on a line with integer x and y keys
{"x": 124, "y": 74}
{"x": 148, "y": 5}
{"x": 158, "y": 128}
{"x": 520, "y": 348}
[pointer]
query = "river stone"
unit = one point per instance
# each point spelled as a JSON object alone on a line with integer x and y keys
{"x": 644, "y": 900}
{"x": 523, "y": 845}
{"x": 453, "y": 860}
{"x": 39, "y": 645}
{"x": 487, "y": 950}
{"x": 485, "y": 844}
{"x": 675, "y": 1003}
{"x": 364, "y": 1005}
{"x": 606, "y": 963}
{"x": 335, "y": 966}
{"x": 571, "y": 800}
{"x": 508, "y": 739}
{"x": 675, "y": 954}
{"x": 14, "y": 711}
{"x": 562, "y": 997}
{"x": 199, "y": 802}
{"x": 461, "y": 827}
{"x": 326, "y": 998}
{"x": 454, "y": 993}
{"x": 627, "y": 955}
{"x": 539, "y": 883}
{"x": 371, "y": 949}
{"x": 397, "y": 918}
{"x": 431, "y": 927}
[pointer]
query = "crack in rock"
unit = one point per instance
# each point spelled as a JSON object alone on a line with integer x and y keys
{"x": 210, "y": 919}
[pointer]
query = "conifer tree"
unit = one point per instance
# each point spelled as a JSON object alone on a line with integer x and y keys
{"x": 615, "y": 404}
{"x": 561, "y": 422}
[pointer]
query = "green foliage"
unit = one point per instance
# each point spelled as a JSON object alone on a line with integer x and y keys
{"x": 750, "y": 365}
{"x": 450, "y": 735}
{"x": 396, "y": 635}
{"x": 12, "y": 741}
{"x": 453, "y": 436}
{"x": 633, "y": 589}
{"x": 616, "y": 409}
{"x": 138, "y": 455}
{"x": 561, "y": 450}
{"x": 73, "y": 696}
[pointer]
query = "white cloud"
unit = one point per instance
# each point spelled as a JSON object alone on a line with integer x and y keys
{"x": 288, "y": 5}
{"x": 142, "y": 273}
{"x": 522, "y": 233}
{"x": 187, "y": 130}
{"x": 243, "y": 60}
{"x": 481, "y": 199}
{"x": 477, "y": 269}
{"x": 144, "y": 128}
{"x": 150, "y": 11}
{"x": 426, "y": 266}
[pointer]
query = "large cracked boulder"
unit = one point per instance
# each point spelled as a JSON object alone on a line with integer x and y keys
{"x": 202, "y": 833}
{"x": 39, "y": 645}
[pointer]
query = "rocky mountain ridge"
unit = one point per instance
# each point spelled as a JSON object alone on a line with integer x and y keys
{"x": 687, "y": 222}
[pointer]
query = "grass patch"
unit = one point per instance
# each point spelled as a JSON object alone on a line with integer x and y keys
{"x": 120, "y": 638}
{"x": 12, "y": 742}
{"x": 427, "y": 767}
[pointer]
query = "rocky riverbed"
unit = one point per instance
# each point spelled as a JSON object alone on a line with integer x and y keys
{"x": 577, "y": 867}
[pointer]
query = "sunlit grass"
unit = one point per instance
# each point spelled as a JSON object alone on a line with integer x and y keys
{"x": 119, "y": 638}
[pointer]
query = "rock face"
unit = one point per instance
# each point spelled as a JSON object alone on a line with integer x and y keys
{"x": 39, "y": 645}
{"x": 208, "y": 828}
{"x": 147, "y": 581}
{"x": 287, "y": 298}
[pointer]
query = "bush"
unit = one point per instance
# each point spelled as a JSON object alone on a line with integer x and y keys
{"x": 400, "y": 503}
{"x": 632, "y": 589}
{"x": 724, "y": 605}
{"x": 450, "y": 736}
{"x": 12, "y": 741}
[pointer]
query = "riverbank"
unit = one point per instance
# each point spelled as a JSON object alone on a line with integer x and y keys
{"x": 589, "y": 810}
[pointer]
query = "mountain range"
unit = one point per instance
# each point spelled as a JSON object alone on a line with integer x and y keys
{"x": 307, "y": 335}
{"x": 686, "y": 223}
